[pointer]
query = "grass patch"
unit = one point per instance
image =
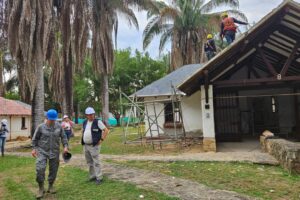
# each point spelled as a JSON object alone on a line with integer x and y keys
{"x": 16, "y": 190}
{"x": 114, "y": 145}
{"x": 266, "y": 182}
{"x": 18, "y": 182}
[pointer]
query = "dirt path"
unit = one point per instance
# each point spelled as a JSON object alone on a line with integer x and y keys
{"x": 172, "y": 186}
{"x": 252, "y": 157}
{"x": 177, "y": 187}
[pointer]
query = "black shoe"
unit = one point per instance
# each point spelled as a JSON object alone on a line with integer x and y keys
{"x": 92, "y": 179}
{"x": 98, "y": 182}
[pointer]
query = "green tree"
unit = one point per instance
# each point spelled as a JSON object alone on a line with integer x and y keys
{"x": 133, "y": 72}
{"x": 186, "y": 23}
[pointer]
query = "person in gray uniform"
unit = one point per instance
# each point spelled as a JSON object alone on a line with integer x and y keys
{"x": 46, "y": 146}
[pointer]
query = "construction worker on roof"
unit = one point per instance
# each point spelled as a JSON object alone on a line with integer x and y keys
{"x": 210, "y": 47}
{"x": 228, "y": 27}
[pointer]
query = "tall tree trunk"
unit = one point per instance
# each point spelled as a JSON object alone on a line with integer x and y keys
{"x": 176, "y": 55}
{"x": 68, "y": 68}
{"x": 39, "y": 94}
{"x": 2, "y": 88}
{"x": 24, "y": 90}
{"x": 105, "y": 98}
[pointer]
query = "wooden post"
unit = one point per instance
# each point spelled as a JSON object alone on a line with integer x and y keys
{"x": 297, "y": 117}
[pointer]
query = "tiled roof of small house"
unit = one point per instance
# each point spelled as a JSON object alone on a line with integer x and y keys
{"x": 13, "y": 108}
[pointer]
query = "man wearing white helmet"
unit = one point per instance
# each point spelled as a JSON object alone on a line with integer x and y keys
{"x": 94, "y": 133}
{"x": 3, "y": 134}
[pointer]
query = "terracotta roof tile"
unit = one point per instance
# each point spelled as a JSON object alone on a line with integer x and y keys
{"x": 11, "y": 107}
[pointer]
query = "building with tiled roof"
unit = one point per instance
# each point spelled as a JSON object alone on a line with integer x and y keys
{"x": 18, "y": 115}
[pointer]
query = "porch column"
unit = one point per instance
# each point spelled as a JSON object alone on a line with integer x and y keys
{"x": 208, "y": 121}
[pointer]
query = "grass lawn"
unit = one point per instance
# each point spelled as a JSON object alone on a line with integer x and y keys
{"x": 266, "y": 182}
{"x": 17, "y": 178}
{"x": 114, "y": 144}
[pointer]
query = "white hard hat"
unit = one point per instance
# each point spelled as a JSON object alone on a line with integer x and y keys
{"x": 89, "y": 111}
{"x": 65, "y": 116}
{"x": 4, "y": 122}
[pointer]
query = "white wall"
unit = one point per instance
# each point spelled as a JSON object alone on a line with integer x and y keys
{"x": 208, "y": 120}
{"x": 192, "y": 112}
{"x": 15, "y": 126}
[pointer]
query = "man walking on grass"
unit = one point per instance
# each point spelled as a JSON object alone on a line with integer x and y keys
{"x": 46, "y": 142}
{"x": 94, "y": 133}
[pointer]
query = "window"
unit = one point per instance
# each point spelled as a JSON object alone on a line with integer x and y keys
{"x": 172, "y": 116}
{"x": 23, "y": 126}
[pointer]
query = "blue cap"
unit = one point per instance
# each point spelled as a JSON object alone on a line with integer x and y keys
{"x": 52, "y": 114}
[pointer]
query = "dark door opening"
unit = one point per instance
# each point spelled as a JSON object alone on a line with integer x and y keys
{"x": 265, "y": 115}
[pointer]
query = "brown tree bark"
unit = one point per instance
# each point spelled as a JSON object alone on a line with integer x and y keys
{"x": 105, "y": 99}
{"x": 2, "y": 87}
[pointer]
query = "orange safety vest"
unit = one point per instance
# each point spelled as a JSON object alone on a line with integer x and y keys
{"x": 229, "y": 24}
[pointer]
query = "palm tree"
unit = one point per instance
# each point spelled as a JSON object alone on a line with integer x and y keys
{"x": 104, "y": 25}
{"x": 71, "y": 38}
{"x": 186, "y": 23}
{"x": 3, "y": 43}
{"x": 28, "y": 41}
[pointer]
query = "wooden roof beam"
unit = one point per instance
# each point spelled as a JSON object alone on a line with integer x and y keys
{"x": 290, "y": 59}
{"x": 266, "y": 61}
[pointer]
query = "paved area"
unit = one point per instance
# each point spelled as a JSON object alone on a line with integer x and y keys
{"x": 249, "y": 145}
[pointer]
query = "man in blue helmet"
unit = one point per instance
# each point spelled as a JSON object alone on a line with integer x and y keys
{"x": 94, "y": 133}
{"x": 46, "y": 142}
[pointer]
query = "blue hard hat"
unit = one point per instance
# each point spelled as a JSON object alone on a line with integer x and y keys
{"x": 52, "y": 114}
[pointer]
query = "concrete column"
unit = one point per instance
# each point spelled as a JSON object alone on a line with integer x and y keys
{"x": 208, "y": 120}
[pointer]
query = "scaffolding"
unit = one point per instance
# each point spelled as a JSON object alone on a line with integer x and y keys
{"x": 154, "y": 133}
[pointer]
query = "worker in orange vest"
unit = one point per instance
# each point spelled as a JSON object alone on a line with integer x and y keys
{"x": 228, "y": 27}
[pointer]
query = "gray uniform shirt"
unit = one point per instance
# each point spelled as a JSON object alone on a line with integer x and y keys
{"x": 46, "y": 139}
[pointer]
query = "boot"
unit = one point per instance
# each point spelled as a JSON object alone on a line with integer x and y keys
{"x": 41, "y": 191}
{"x": 51, "y": 188}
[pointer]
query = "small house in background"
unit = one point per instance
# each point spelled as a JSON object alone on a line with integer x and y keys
{"x": 169, "y": 110}
{"x": 18, "y": 115}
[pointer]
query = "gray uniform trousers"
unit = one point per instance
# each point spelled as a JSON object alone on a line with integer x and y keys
{"x": 92, "y": 158}
{"x": 41, "y": 164}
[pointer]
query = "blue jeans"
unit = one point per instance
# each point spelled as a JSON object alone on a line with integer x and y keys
{"x": 210, "y": 55}
{"x": 230, "y": 36}
{"x": 2, "y": 144}
{"x": 68, "y": 134}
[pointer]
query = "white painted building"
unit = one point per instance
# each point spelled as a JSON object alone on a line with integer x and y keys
{"x": 18, "y": 115}
{"x": 251, "y": 86}
{"x": 157, "y": 98}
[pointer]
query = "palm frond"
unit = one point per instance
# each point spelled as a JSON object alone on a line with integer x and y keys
{"x": 212, "y": 4}
{"x": 165, "y": 37}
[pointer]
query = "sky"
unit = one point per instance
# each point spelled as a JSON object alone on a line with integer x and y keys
{"x": 130, "y": 37}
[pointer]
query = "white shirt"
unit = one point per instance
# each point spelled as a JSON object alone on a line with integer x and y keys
{"x": 87, "y": 135}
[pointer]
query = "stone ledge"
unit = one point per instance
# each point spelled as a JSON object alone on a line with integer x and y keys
{"x": 286, "y": 152}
